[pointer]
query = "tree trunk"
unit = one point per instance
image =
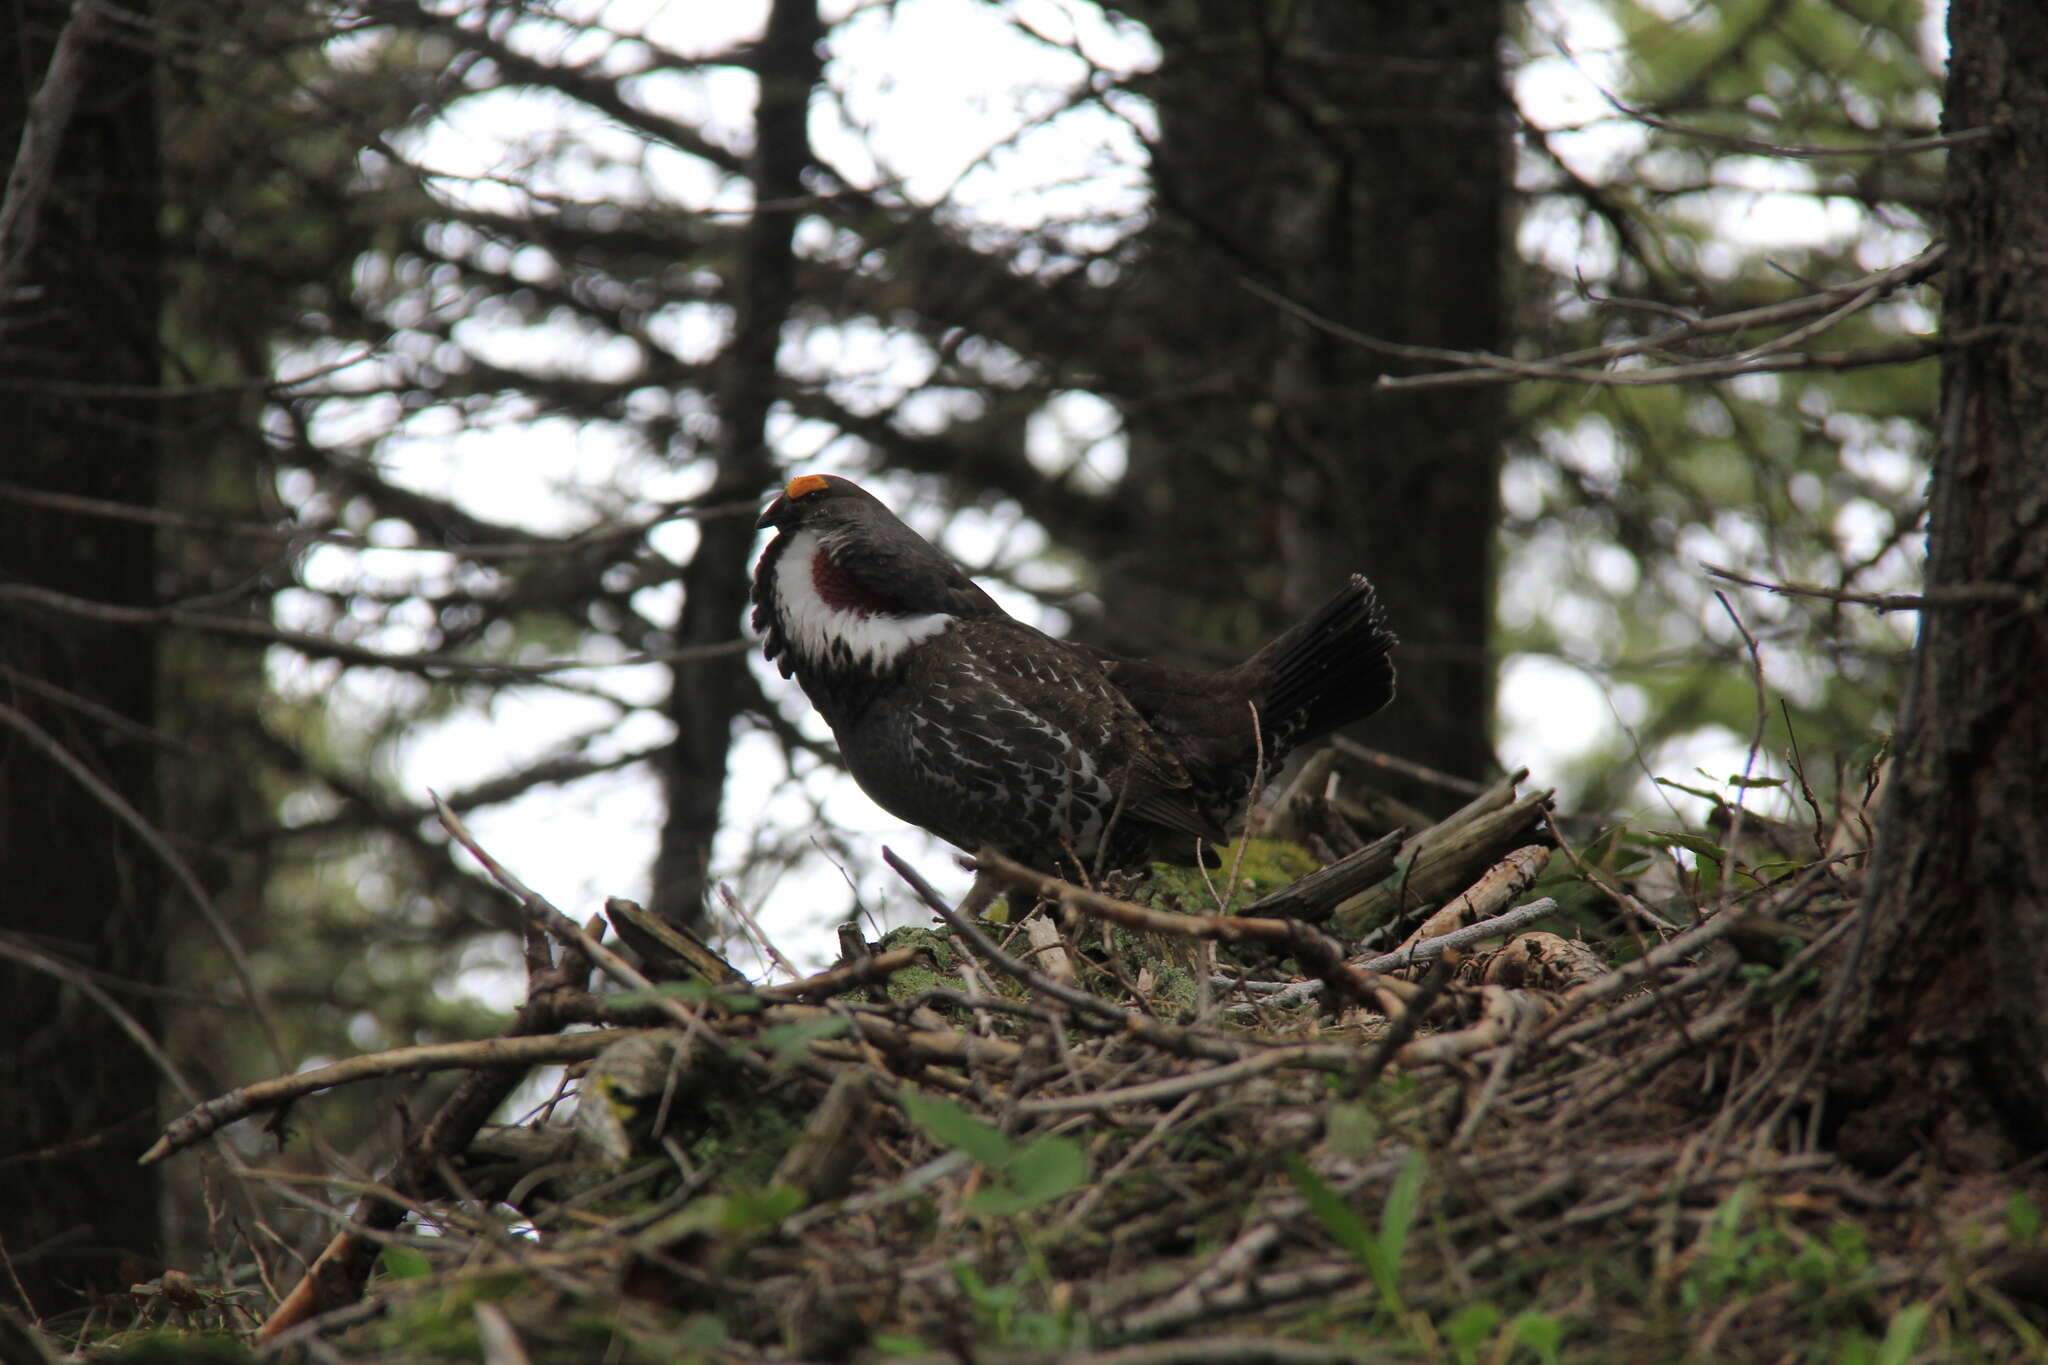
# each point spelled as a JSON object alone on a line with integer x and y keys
{"x": 1353, "y": 159}
{"x": 78, "y": 1099}
{"x": 1954, "y": 977}
{"x": 709, "y": 694}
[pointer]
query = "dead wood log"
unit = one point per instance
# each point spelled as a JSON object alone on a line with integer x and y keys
{"x": 1495, "y": 890}
{"x": 1313, "y": 898}
{"x": 1441, "y": 861}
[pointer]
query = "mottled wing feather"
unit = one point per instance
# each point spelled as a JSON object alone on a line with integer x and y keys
{"x": 1003, "y": 735}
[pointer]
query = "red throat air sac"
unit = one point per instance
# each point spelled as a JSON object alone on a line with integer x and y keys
{"x": 840, "y": 591}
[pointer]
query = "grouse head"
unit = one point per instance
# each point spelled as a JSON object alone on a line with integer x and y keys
{"x": 848, "y": 587}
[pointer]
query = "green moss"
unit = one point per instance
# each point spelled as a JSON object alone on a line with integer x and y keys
{"x": 936, "y": 944}
{"x": 441, "y": 1323}
{"x": 172, "y": 1347}
{"x": 1267, "y": 865}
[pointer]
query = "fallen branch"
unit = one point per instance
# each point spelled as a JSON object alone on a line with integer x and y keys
{"x": 522, "y": 1052}
{"x": 1181, "y": 1042}
{"x": 1316, "y": 897}
{"x": 1499, "y": 925}
{"x": 1504, "y": 1014}
{"x": 1496, "y": 889}
{"x": 1439, "y": 862}
{"x": 1315, "y": 951}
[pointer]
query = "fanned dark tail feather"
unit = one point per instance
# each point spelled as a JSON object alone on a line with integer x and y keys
{"x": 1329, "y": 670}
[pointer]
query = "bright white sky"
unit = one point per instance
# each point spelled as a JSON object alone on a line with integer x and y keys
{"x": 936, "y": 93}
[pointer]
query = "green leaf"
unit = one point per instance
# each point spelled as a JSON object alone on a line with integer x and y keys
{"x": 998, "y": 1200}
{"x": 700, "y": 1331}
{"x": 1397, "y": 1215}
{"x": 1036, "y": 1174}
{"x": 1541, "y": 1333}
{"x": 1380, "y": 1255}
{"x": 1724, "y": 1224}
{"x": 1751, "y": 783}
{"x": 758, "y": 1210}
{"x": 1048, "y": 1168}
{"x": 1902, "y": 1336}
{"x": 2022, "y": 1217}
{"x": 741, "y": 1213}
{"x": 403, "y": 1263}
{"x": 1342, "y": 1221}
{"x": 1353, "y": 1129}
{"x": 988, "y": 1298}
{"x": 1390, "y": 1248}
{"x": 1692, "y": 843}
{"x": 898, "y": 1344}
{"x": 1701, "y": 792}
{"x": 1467, "y": 1328}
{"x": 955, "y": 1127}
{"x": 790, "y": 1041}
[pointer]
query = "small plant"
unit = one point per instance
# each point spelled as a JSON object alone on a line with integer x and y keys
{"x": 1747, "y": 1253}
{"x": 1379, "y": 1252}
{"x": 1023, "y": 1176}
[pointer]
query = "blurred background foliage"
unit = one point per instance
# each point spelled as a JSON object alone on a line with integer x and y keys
{"x": 492, "y": 323}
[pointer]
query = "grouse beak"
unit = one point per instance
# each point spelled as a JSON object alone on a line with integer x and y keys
{"x": 783, "y": 509}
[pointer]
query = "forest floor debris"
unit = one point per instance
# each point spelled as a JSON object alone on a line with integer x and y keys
{"x": 1534, "y": 1117}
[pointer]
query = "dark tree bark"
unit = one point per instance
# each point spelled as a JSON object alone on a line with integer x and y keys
{"x": 709, "y": 694}
{"x": 1954, "y": 1032}
{"x": 1353, "y": 159}
{"x": 77, "y": 1098}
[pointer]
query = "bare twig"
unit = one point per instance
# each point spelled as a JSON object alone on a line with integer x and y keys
{"x": 1496, "y": 888}
{"x": 154, "y": 840}
{"x": 1317, "y": 952}
{"x": 522, "y": 1052}
{"x": 1797, "y": 151}
{"x": 429, "y": 663}
{"x": 1756, "y": 744}
{"x": 1480, "y": 367}
{"x": 1394, "y": 763}
{"x": 1497, "y": 927}
{"x": 34, "y": 167}
{"x": 1950, "y": 595}
{"x": 1405, "y": 1021}
{"x": 20, "y": 950}
{"x": 1183, "y": 1042}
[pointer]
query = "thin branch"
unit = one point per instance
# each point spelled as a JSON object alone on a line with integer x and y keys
{"x": 154, "y": 841}
{"x": 1834, "y": 304}
{"x": 1182, "y": 1042}
{"x": 1950, "y": 595}
{"x": 429, "y": 663}
{"x": 29, "y": 956}
{"x": 219, "y": 1112}
{"x": 1498, "y": 926}
{"x": 1316, "y": 951}
{"x": 42, "y": 138}
{"x": 1796, "y": 151}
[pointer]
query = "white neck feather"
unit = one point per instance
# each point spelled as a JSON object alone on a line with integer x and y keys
{"x": 812, "y": 627}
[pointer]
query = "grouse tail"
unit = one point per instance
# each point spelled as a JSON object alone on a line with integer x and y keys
{"x": 1328, "y": 670}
